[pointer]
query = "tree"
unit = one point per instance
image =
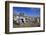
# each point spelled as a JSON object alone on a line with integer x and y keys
{"x": 21, "y": 14}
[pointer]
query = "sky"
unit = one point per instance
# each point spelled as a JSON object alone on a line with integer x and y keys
{"x": 27, "y": 11}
